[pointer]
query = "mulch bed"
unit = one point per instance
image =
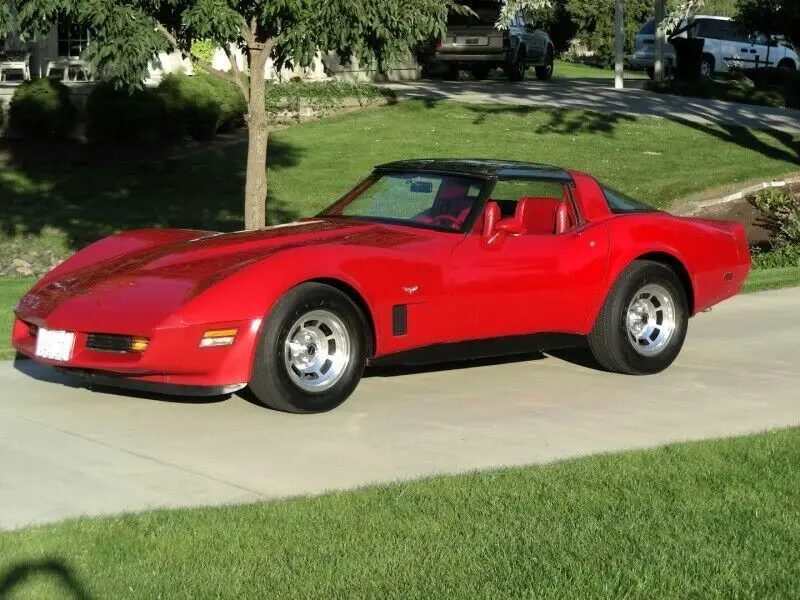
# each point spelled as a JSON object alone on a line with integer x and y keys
{"x": 744, "y": 212}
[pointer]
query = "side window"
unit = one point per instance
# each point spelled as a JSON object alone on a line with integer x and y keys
{"x": 541, "y": 206}
{"x": 508, "y": 192}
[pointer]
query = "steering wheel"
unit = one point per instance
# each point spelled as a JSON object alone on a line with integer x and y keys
{"x": 443, "y": 220}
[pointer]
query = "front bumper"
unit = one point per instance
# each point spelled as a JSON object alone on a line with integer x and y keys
{"x": 173, "y": 358}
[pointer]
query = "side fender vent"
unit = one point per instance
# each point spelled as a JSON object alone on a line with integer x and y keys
{"x": 399, "y": 319}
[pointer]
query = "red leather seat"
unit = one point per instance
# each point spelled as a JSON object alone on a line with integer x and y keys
{"x": 537, "y": 215}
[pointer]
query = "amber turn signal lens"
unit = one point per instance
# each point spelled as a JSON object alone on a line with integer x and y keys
{"x": 218, "y": 337}
{"x": 139, "y": 344}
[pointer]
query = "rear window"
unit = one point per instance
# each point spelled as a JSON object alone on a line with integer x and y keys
{"x": 488, "y": 14}
{"x": 648, "y": 28}
{"x": 621, "y": 203}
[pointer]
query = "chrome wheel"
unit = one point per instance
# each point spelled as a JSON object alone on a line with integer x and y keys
{"x": 317, "y": 351}
{"x": 650, "y": 320}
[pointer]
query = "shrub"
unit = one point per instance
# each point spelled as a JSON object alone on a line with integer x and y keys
{"x": 200, "y": 105}
{"x": 782, "y": 214}
{"x": 320, "y": 96}
{"x": 233, "y": 106}
{"x": 783, "y": 255}
{"x": 118, "y": 115}
{"x": 190, "y": 107}
{"x": 42, "y": 109}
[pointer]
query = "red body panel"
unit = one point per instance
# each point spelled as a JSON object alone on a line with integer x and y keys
{"x": 173, "y": 285}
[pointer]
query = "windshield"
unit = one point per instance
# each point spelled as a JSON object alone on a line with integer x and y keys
{"x": 620, "y": 203}
{"x": 423, "y": 200}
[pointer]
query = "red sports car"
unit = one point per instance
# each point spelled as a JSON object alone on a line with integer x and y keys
{"x": 422, "y": 260}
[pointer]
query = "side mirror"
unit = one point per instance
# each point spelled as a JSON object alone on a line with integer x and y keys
{"x": 495, "y": 231}
{"x": 509, "y": 226}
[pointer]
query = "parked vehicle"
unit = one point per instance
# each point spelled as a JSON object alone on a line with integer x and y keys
{"x": 473, "y": 43}
{"x": 727, "y": 47}
{"x": 422, "y": 261}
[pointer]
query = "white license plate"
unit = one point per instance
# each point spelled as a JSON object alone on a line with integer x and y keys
{"x": 475, "y": 41}
{"x": 54, "y": 345}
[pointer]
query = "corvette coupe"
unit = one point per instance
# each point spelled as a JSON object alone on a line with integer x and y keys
{"x": 422, "y": 260}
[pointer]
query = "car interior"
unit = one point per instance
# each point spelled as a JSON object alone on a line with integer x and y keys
{"x": 548, "y": 212}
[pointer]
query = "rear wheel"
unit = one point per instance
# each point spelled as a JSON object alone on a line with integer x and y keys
{"x": 787, "y": 64}
{"x": 312, "y": 351}
{"x": 642, "y": 325}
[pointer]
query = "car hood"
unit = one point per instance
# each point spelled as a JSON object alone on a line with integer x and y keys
{"x": 138, "y": 290}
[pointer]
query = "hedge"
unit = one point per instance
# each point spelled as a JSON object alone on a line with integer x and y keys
{"x": 42, "y": 109}
{"x": 194, "y": 106}
{"x": 115, "y": 114}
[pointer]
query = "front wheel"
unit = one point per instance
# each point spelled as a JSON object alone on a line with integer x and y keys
{"x": 516, "y": 70}
{"x": 642, "y": 325}
{"x": 312, "y": 351}
{"x": 545, "y": 72}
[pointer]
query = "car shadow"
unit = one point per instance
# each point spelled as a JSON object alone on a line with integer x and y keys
{"x": 579, "y": 356}
{"x": 450, "y": 365}
{"x": 49, "y": 374}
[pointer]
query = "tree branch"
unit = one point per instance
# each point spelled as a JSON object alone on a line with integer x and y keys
{"x": 225, "y": 76}
{"x": 238, "y": 75}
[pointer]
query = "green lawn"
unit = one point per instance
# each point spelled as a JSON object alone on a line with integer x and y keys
{"x": 717, "y": 519}
{"x": 11, "y": 290}
{"x": 312, "y": 164}
{"x": 770, "y": 279}
{"x": 569, "y": 70}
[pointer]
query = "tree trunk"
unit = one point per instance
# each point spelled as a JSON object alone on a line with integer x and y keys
{"x": 255, "y": 189}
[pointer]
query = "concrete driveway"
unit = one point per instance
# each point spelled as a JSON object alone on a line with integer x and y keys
{"x": 599, "y": 95}
{"x": 69, "y": 451}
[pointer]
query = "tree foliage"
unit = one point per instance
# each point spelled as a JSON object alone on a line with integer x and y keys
{"x": 127, "y": 35}
{"x": 771, "y": 17}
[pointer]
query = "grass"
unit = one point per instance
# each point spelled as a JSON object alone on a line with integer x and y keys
{"x": 11, "y": 290}
{"x": 310, "y": 165}
{"x": 770, "y": 279}
{"x": 564, "y": 69}
{"x": 717, "y": 519}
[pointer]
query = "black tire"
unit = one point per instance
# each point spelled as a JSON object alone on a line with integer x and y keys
{"x": 479, "y": 73}
{"x": 516, "y": 70}
{"x": 610, "y": 341}
{"x": 451, "y": 72}
{"x": 787, "y": 64}
{"x": 707, "y": 65}
{"x": 651, "y": 72}
{"x": 545, "y": 72}
{"x": 271, "y": 382}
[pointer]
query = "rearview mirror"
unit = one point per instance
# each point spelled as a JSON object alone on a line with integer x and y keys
{"x": 421, "y": 187}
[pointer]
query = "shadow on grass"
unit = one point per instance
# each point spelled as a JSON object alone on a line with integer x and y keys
{"x": 788, "y": 151}
{"x": 88, "y": 193}
{"x": 587, "y": 107}
{"x": 13, "y": 580}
